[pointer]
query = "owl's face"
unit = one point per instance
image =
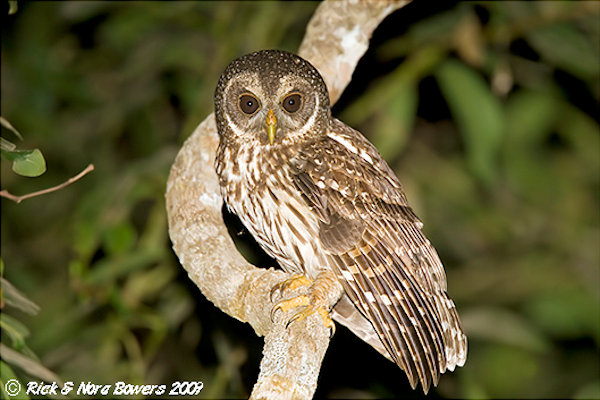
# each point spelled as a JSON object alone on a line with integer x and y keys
{"x": 271, "y": 98}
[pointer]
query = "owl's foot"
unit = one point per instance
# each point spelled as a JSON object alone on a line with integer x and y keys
{"x": 318, "y": 299}
{"x": 305, "y": 301}
{"x": 290, "y": 284}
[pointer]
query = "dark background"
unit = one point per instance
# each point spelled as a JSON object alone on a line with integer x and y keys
{"x": 487, "y": 111}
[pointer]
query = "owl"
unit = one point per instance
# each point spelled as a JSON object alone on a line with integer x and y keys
{"x": 319, "y": 198}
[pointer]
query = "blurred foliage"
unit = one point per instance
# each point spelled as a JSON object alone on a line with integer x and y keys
{"x": 29, "y": 163}
{"x": 488, "y": 112}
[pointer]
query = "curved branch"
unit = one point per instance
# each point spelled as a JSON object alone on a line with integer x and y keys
{"x": 336, "y": 38}
{"x": 338, "y": 35}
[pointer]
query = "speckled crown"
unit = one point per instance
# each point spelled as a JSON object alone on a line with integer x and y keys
{"x": 272, "y": 64}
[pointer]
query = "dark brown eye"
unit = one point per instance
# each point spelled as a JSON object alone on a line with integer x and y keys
{"x": 292, "y": 102}
{"x": 249, "y": 104}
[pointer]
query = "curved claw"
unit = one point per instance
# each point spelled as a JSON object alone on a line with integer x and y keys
{"x": 287, "y": 305}
{"x": 321, "y": 310}
{"x": 327, "y": 321}
{"x": 275, "y": 289}
{"x": 273, "y": 313}
{"x": 296, "y": 317}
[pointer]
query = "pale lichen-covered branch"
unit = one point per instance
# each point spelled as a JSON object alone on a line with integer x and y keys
{"x": 336, "y": 38}
{"x": 338, "y": 35}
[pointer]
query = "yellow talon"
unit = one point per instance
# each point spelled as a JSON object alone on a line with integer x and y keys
{"x": 321, "y": 310}
{"x": 290, "y": 284}
{"x": 310, "y": 303}
{"x": 327, "y": 321}
{"x": 287, "y": 305}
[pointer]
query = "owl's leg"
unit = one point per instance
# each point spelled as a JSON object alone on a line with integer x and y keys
{"x": 322, "y": 294}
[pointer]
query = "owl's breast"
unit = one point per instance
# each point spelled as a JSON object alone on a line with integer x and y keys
{"x": 258, "y": 188}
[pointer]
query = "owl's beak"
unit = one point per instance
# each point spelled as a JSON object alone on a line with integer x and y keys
{"x": 271, "y": 125}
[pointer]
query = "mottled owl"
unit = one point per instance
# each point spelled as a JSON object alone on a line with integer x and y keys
{"x": 319, "y": 198}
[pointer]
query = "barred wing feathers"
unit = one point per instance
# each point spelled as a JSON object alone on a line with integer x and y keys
{"x": 374, "y": 244}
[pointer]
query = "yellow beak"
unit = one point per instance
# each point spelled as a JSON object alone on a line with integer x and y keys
{"x": 271, "y": 125}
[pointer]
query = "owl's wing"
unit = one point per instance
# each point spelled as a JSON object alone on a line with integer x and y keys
{"x": 374, "y": 242}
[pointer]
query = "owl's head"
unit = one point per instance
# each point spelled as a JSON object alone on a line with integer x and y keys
{"x": 271, "y": 97}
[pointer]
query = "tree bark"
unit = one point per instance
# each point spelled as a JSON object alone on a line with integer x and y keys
{"x": 336, "y": 38}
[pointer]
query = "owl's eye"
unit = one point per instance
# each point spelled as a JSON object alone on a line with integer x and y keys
{"x": 249, "y": 104}
{"x": 292, "y": 103}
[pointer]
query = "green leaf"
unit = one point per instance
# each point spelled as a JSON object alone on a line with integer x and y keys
{"x": 9, "y": 126}
{"x": 530, "y": 115}
{"x": 7, "y": 145}
{"x": 395, "y": 122}
{"x": 478, "y": 114}
{"x": 29, "y": 163}
{"x": 148, "y": 283}
{"x": 109, "y": 269}
{"x": 568, "y": 49}
{"x": 15, "y": 330}
{"x": 120, "y": 238}
{"x": 581, "y": 131}
{"x": 12, "y": 7}
{"x": 29, "y": 365}
{"x": 7, "y": 375}
{"x": 12, "y": 154}
{"x": 13, "y": 297}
